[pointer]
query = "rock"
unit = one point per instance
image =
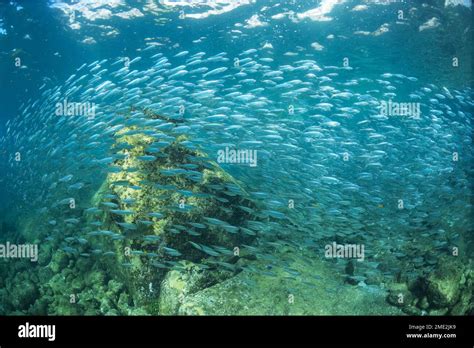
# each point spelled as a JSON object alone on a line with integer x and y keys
{"x": 179, "y": 284}
{"x": 107, "y": 308}
{"x": 255, "y": 293}
{"x": 59, "y": 261}
{"x": 374, "y": 278}
{"x": 44, "y": 274}
{"x": 94, "y": 277}
{"x": 417, "y": 287}
{"x": 24, "y": 295}
{"x": 40, "y": 307}
{"x": 443, "y": 286}
{"x": 412, "y": 310}
{"x": 92, "y": 311}
{"x": 423, "y": 303}
{"x": 211, "y": 193}
{"x": 173, "y": 290}
{"x": 465, "y": 303}
{"x": 399, "y": 295}
{"x": 440, "y": 311}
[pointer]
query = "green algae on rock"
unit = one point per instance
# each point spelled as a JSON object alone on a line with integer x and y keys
{"x": 316, "y": 292}
{"x": 448, "y": 289}
{"x": 160, "y": 219}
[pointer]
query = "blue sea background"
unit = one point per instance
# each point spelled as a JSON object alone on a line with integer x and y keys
{"x": 40, "y": 34}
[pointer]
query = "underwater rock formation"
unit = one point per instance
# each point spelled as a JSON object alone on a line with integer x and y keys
{"x": 450, "y": 286}
{"x": 258, "y": 293}
{"x": 164, "y": 206}
{"x": 446, "y": 290}
{"x": 170, "y": 204}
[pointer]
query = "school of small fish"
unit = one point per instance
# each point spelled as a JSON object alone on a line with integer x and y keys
{"x": 330, "y": 167}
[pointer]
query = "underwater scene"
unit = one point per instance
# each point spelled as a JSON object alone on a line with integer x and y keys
{"x": 236, "y": 157}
